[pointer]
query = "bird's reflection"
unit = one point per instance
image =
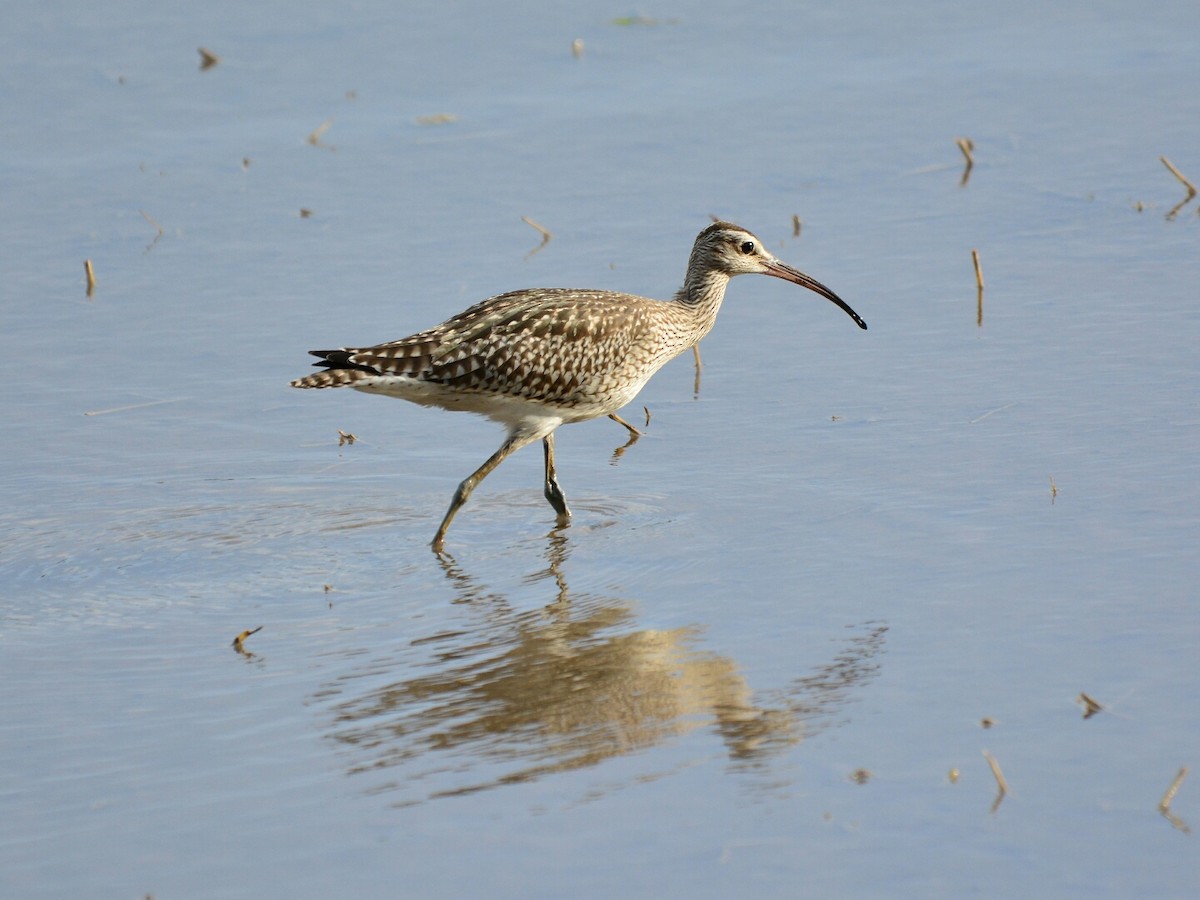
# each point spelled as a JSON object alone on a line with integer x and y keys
{"x": 518, "y": 694}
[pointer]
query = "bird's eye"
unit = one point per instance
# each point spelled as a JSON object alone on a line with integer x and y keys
{"x": 747, "y": 247}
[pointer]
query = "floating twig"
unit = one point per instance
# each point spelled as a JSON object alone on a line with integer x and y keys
{"x": 1000, "y": 781}
{"x": 437, "y": 119}
{"x": 345, "y": 437}
{"x": 1091, "y": 706}
{"x": 317, "y": 133}
{"x": 978, "y": 288}
{"x": 1164, "y": 805}
{"x": 241, "y": 638}
{"x": 208, "y": 59}
{"x": 1053, "y": 497}
{"x": 158, "y": 229}
{"x": 305, "y": 212}
{"x": 1191, "y": 188}
{"x": 91, "y": 276}
{"x": 796, "y": 225}
{"x": 546, "y": 235}
{"x": 967, "y": 146}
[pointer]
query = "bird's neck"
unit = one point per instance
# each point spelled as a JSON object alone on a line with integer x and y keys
{"x": 701, "y": 296}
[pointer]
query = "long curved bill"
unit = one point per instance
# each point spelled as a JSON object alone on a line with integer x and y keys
{"x": 787, "y": 273}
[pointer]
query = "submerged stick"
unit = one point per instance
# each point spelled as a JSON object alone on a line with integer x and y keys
{"x": 978, "y": 287}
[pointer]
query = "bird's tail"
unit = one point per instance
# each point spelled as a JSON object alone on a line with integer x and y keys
{"x": 330, "y": 378}
{"x": 340, "y": 371}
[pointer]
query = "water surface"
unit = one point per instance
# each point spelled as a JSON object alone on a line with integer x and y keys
{"x": 777, "y": 621}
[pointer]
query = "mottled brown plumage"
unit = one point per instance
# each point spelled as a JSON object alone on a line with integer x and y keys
{"x": 539, "y": 358}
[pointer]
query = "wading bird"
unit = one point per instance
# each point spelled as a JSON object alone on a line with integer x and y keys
{"x": 540, "y": 358}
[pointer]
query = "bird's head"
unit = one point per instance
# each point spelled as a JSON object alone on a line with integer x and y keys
{"x": 731, "y": 250}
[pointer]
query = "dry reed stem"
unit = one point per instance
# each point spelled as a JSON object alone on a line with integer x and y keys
{"x": 91, "y": 276}
{"x": 546, "y": 235}
{"x": 1164, "y": 805}
{"x": 1191, "y": 188}
{"x": 996, "y": 773}
{"x": 967, "y": 146}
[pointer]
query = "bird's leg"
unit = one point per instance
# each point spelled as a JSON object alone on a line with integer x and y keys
{"x": 553, "y": 492}
{"x": 699, "y": 366}
{"x": 634, "y": 433}
{"x": 515, "y": 442}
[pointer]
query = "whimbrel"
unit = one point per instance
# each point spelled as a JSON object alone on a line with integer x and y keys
{"x": 537, "y": 359}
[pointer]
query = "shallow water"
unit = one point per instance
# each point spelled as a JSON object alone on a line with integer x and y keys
{"x": 776, "y": 622}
